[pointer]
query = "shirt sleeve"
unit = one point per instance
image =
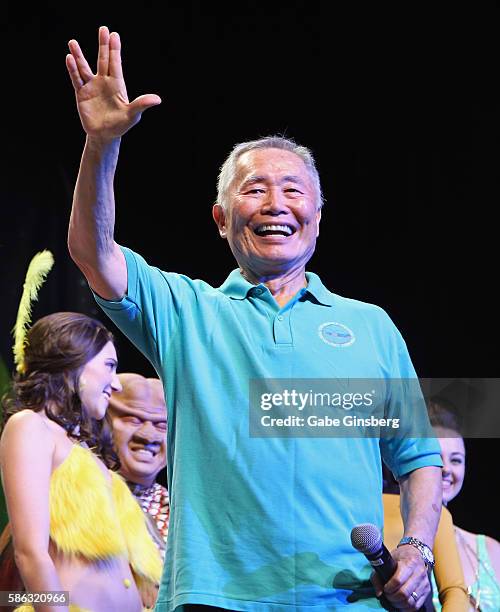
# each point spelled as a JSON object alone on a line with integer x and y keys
{"x": 413, "y": 445}
{"x": 149, "y": 313}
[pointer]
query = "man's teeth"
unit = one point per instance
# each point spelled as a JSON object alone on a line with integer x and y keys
{"x": 282, "y": 229}
{"x": 144, "y": 451}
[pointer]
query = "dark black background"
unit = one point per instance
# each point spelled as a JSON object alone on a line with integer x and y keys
{"x": 398, "y": 108}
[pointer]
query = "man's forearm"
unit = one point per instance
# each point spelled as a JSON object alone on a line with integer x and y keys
{"x": 421, "y": 499}
{"x": 92, "y": 221}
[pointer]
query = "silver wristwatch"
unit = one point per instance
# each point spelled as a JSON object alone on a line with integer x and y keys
{"x": 424, "y": 550}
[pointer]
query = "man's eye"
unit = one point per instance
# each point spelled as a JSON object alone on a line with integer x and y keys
{"x": 292, "y": 190}
{"x": 161, "y": 426}
{"x": 256, "y": 190}
{"x": 133, "y": 420}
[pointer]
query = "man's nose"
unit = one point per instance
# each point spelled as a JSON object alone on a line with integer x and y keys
{"x": 116, "y": 384}
{"x": 147, "y": 431}
{"x": 274, "y": 202}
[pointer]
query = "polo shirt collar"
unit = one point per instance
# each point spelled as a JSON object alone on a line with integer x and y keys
{"x": 237, "y": 287}
{"x": 318, "y": 291}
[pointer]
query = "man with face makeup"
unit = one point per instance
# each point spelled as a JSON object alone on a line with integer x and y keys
{"x": 138, "y": 418}
{"x": 257, "y": 523}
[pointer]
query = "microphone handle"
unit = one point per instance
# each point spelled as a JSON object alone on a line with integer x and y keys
{"x": 385, "y": 566}
{"x": 383, "y": 563}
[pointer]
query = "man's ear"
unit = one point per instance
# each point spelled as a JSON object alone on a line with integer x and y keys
{"x": 219, "y": 215}
{"x": 318, "y": 219}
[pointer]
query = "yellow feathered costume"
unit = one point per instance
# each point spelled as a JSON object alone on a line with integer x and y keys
{"x": 88, "y": 516}
{"x": 96, "y": 520}
{"x": 83, "y": 516}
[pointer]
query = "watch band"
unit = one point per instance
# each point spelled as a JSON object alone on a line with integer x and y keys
{"x": 423, "y": 549}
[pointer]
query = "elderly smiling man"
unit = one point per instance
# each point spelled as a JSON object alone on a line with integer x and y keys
{"x": 257, "y": 523}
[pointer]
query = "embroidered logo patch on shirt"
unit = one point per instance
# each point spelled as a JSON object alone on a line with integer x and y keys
{"x": 336, "y": 334}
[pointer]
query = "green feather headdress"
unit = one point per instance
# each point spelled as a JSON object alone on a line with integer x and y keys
{"x": 39, "y": 267}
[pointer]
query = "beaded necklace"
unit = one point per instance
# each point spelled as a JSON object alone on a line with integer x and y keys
{"x": 154, "y": 501}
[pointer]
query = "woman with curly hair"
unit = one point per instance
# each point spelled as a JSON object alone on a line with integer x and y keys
{"x": 75, "y": 525}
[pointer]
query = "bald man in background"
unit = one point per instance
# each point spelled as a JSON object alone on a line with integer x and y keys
{"x": 138, "y": 418}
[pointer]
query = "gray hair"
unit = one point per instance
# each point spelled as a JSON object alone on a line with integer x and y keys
{"x": 228, "y": 169}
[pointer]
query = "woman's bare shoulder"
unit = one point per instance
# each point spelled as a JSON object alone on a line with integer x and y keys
{"x": 27, "y": 420}
{"x": 25, "y": 427}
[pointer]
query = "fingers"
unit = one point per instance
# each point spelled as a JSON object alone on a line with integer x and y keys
{"x": 78, "y": 67}
{"x": 142, "y": 103}
{"x": 410, "y": 596}
{"x": 377, "y": 583}
{"x": 409, "y": 586}
{"x": 108, "y": 60}
{"x": 73, "y": 72}
{"x": 413, "y": 601}
{"x": 103, "y": 55}
{"x": 416, "y": 600}
{"x": 115, "y": 60}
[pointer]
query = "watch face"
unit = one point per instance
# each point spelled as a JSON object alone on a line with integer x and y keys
{"x": 425, "y": 551}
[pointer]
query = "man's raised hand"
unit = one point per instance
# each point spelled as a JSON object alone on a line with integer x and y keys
{"x": 102, "y": 100}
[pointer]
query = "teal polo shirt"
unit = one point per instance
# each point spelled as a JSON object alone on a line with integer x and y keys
{"x": 262, "y": 523}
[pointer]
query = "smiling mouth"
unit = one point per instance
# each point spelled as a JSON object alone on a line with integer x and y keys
{"x": 142, "y": 451}
{"x": 274, "y": 229}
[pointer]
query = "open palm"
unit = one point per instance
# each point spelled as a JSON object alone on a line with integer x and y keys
{"x": 102, "y": 100}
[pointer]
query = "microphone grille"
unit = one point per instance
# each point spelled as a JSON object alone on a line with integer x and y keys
{"x": 366, "y": 538}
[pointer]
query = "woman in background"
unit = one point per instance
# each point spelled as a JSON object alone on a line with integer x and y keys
{"x": 75, "y": 525}
{"x": 479, "y": 554}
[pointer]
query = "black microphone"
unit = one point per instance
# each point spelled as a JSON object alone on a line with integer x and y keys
{"x": 367, "y": 539}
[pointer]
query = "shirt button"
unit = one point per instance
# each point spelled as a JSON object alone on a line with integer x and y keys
{"x": 280, "y": 317}
{"x": 259, "y": 291}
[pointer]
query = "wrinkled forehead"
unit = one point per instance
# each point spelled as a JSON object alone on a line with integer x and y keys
{"x": 146, "y": 413}
{"x": 271, "y": 163}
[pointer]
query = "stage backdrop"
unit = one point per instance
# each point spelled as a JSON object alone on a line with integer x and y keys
{"x": 400, "y": 120}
